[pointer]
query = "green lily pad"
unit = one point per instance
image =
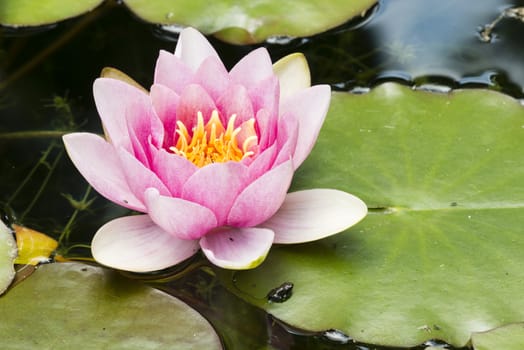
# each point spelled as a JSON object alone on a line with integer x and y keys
{"x": 17, "y": 13}
{"x": 7, "y": 257}
{"x": 441, "y": 254}
{"x": 78, "y": 306}
{"x": 245, "y": 21}
{"x": 510, "y": 337}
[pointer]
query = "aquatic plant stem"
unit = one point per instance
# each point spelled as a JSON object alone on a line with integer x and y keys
{"x": 75, "y": 246}
{"x": 32, "y": 134}
{"x": 41, "y": 161}
{"x": 44, "y": 184}
{"x": 67, "y": 229}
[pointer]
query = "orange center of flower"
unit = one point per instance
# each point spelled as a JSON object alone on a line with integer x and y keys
{"x": 212, "y": 143}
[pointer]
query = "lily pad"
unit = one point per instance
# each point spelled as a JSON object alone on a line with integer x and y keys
{"x": 245, "y": 21}
{"x": 510, "y": 337}
{"x": 79, "y": 306}
{"x": 17, "y": 13}
{"x": 7, "y": 257}
{"x": 440, "y": 255}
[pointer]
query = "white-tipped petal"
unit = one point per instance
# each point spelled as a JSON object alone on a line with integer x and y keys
{"x": 293, "y": 74}
{"x": 237, "y": 248}
{"x": 314, "y": 214}
{"x": 98, "y": 162}
{"x": 310, "y": 107}
{"x": 193, "y": 48}
{"x": 137, "y": 244}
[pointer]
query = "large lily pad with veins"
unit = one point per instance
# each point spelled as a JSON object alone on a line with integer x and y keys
{"x": 247, "y": 21}
{"x": 7, "y": 256}
{"x": 18, "y": 13}
{"x": 77, "y": 306}
{"x": 440, "y": 256}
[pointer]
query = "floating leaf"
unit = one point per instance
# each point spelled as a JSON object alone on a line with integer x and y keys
{"x": 33, "y": 247}
{"x": 7, "y": 256}
{"x": 18, "y": 13}
{"x": 440, "y": 256}
{"x": 73, "y": 305}
{"x": 247, "y": 21}
{"x": 510, "y": 337}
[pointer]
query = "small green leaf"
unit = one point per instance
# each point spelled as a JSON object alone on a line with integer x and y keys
{"x": 247, "y": 21}
{"x": 440, "y": 255}
{"x": 17, "y": 13}
{"x": 77, "y": 306}
{"x": 7, "y": 257}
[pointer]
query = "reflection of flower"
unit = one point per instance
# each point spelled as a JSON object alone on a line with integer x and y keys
{"x": 208, "y": 155}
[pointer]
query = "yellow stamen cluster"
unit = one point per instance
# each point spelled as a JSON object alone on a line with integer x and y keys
{"x": 212, "y": 143}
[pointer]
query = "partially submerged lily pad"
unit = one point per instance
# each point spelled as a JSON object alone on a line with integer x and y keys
{"x": 7, "y": 257}
{"x": 87, "y": 307}
{"x": 18, "y": 13}
{"x": 248, "y": 21}
{"x": 440, "y": 256}
{"x": 510, "y": 337}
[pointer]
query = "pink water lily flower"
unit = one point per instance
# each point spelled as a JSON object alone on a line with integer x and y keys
{"x": 208, "y": 156}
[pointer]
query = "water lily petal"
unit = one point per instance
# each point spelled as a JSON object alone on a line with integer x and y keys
{"x": 139, "y": 177}
{"x": 310, "y": 107}
{"x": 293, "y": 73}
{"x": 144, "y": 127}
{"x": 193, "y": 48}
{"x": 99, "y": 164}
{"x": 252, "y": 68}
{"x": 165, "y": 102}
{"x": 172, "y": 72}
{"x": 237, "y": 248}
{"x": 172, "y": 169}
{"x": 213, "y": 76}
{"x": 194, "y": 99}
{"x": 144, "y": 130}
{"x": 314, "y": 214}
{"x": 287, "y": 138}
{"x": 265, "y": 95}
{"x": 262, "y": 163}
{"x": 137, "y": 244}
{"x": 262, "y": 198}
{"x": 181, "y": 218}
{"x": 267, "y": 126}
{"x": 216, "y": 187}
{"x": 235, "y": 100}
{"x": 115, "y": 100}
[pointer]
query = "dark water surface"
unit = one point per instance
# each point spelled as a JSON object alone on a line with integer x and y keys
{"x": 46, "y": 77}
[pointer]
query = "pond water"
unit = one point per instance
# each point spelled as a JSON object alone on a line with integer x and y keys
{"x": 46, "y": 77}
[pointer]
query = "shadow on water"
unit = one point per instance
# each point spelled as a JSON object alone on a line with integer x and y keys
{"x": 46, "y": 78}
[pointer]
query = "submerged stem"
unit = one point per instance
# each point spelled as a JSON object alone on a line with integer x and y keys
{"x": 44, "y": 183}
{"x": 67, "y": 229}
{"x": 42, "y": 160}
{"x": 32, "y": 134}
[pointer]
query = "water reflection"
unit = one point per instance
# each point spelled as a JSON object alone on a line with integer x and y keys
{"x": 420, "y": 40}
